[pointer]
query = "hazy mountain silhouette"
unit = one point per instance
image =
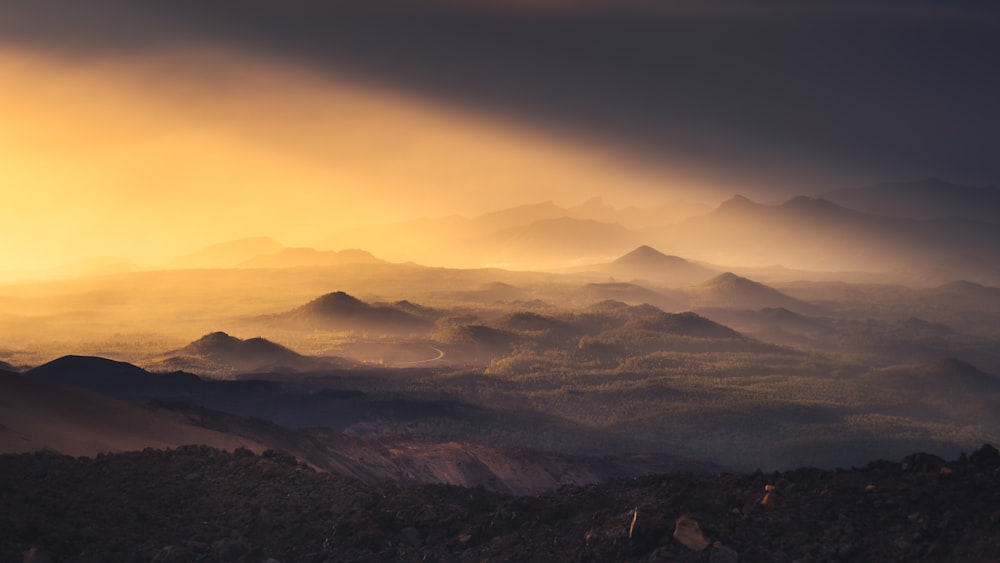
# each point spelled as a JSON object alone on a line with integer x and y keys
{"x": 550, "y": 242}
{"x": 647, "y": 263}
{"x": 4, "y": 366}
{"x": 518, "y": 216}
{"x": 529, "y": 321}
{"x": 735, "y": 292}
{"x": 219, "y": 354}
{"x": 489, "y": 293}
{"x": 945, "y": 375}
{"x": 77, "y": 369}
{"x": 819, "y": 235}
{"x": 117, "y": 379}
{"x": 227, "y": 254}
{"x": 596, "y": 209}
{"x": 305, "y": 257}
{"x": 777, "y": 325}
{"x": 629, "y": 293}
{"x": 682, "y": 324}
{"x": 930, "y": 198}
{"x": 525, "y": 235}
{"x": 341, "y": 311}
{"x": 967, "y": 295}
{"x": 41, "y": 414}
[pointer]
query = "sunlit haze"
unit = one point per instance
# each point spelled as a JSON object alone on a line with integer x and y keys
{"x": 154, "y": 156}
{"x": 149, "y": 131}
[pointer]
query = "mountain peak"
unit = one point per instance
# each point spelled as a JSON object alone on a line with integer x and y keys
{"x": 737, "y": 203}
{"x": 929, "y": 198}
{"x": 727, "y": 278}
{"x": 813, "y": 204}
{"x": 338, "y": 300}
{"x": 642, "y": 253}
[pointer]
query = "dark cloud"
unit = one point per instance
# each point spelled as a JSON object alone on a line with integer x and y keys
{"x": 883, "y": 90}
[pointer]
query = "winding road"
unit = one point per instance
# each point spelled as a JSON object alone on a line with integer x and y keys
{"x": 440, "y": 354}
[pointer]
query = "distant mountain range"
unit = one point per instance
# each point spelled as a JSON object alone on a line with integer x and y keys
{"x": 928, "y": 231}
{"x": 227, "y": 254}
{"x": 309, "y": 257}
{"x": 924, "y": 199}
{"x": 264, "y": 252}
{"x": 816, "y": 234}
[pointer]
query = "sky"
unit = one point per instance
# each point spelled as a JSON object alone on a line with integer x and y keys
{"x": 149, "y": 129}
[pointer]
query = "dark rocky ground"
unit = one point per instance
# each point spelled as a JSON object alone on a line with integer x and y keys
{"x": 200, "y": 504}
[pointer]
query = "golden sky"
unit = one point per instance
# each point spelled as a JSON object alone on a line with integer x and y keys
{"x": 151, "y": 129}
{"x": 156, "y": 155}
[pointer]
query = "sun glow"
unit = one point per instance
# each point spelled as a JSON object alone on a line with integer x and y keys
{"x": 154, "y": 155}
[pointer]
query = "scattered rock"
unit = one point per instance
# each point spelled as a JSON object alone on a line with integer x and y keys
{"x": 139, "y": 507}
{"x": 722, "y": 554}
{"x": 770, "y": 497}
{"x": 688, "y": 532}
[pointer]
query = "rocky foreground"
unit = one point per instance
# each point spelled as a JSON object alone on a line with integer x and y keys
{"x": 201, "y": 504}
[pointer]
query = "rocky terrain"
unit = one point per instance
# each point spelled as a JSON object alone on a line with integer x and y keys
{"x": 200, "y": 504}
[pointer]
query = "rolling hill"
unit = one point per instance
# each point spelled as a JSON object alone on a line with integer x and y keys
{"x": 647, "y": 263}
{"x": 630, "y": 293}
{"x": 37, "y": 415}
{"x": 116, "y": 379}
{"x": 735, "y": 292}
{"x": 340, "y": 311}
{"x": 219, "y": 354}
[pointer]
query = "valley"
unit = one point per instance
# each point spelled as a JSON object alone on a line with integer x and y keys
{"x": 644, "y": 354}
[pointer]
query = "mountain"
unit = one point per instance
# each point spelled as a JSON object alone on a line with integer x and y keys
{"x": 735, "y": 292}
{"x": 340, "y": 311}
{"x": 73, "y": 370}
{"x": 966, "y": 295}
{"x": 539, "y": 234}
{"x": 553, "y": 242}
{"x": 629, "y": 293}
{"x": 930, "y": 198}
{"x": 518, "y": 216}
{"x": 946, "y": 375}
{"x": 307, "y": 257}
{"x": 4, "y": 366}
{"x": 776, "y": 325}
{"x": 647, "y": 263}
{"x": 818, "y": 235}
{"x": 685, "y": 324}
{"x": 227, "y": 254}
{"x": 118, "y": 379}
{"x": 220, "y": 354}
{"x": 37, "y": 415}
